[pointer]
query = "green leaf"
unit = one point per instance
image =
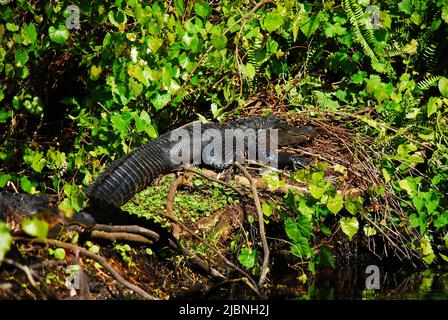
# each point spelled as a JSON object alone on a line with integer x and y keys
{"x": 179, "y": 6}
{"x": 142, "y": 121}
{"x": 273, "y": 21}
{"x": 427, "y": 251}
{"x": 419, "y": 203}
{"x": 21, "y": 58}
{"x": 443, "y": 86}
{"x": 30, "y": 33}
{"x": 58, "y": 253}
{"x": 332, "y": 30}
{"x": 296, "y": 230}
{"x": 4, "y": 178}
{"x": 405, "y": 6}
{"x": 353, "y": 204}
{"x": 441, "y": 221}
{"x": 414, "y": 220}
{"x": 316, "y": 191}
{"x": 325, "y": 257}
{"x": 369, "y": 231}
{"x": 154, "y": 44}
{"x": 161, "y": 100}
{"x": 117, "y": 19}
{"x": 409, "y": 185}
{"x": 5, "y": 114}
{"x": 249, "y": 71}
{"x": 59, "y": 35}
{"x": 301, "y": 249}
{"x": 219, "y": 41}
{"x": 305, "y": 209}
{"x": 349, "y": 226}
{"x": 433, "y": 104}
{"x": 120, "y": 124}
{"x": 247, "y": 257}
{"x": 27, "y": 185}
{"x": 36, "y": 228}
{"x": 94, "y": 249}
{"x": 202, "y": 9}
{"x": 5, "y": 240}
{"x": 12, "y": 27}
{"x": 445, "y": 13}
{"x": 36, "y": 160}
{"x": 95, "y": 72}
{"x": 310, "y": 25}
{"x": 358, "y": 77}
{"x": 273, "y": 180}
{"x": 266, "y": 209}
{"x": 325, "y": 230}
{"x": 335, "y": 203}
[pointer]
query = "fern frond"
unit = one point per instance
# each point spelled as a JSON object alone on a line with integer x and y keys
{"x": 430, "y": 55}
{"x": 393, "y": 51}
{"x": 364, "y": 35}
{"x": 428, "y": 82}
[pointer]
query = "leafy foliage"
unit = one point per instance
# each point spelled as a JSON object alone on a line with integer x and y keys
{"x": 72, "y": 100}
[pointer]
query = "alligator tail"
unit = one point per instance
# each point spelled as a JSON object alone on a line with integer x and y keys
{"x": 127, "y": 176}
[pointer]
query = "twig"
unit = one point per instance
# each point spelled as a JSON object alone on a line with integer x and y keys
{"x": 25, "y": 269}
{"x": 385, "y": 235}
{"x": 265, "y": 265}
{"x": 95, "y": 257}
{"x": 199, "y": 173}
{"x": 253, "y": 285}
{"x": 198, "y": 262}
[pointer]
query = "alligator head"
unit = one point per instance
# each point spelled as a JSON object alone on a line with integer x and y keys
{"x": 291, "y": 135}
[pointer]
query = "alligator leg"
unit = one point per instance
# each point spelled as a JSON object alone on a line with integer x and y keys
{"x": 291, "y": 161}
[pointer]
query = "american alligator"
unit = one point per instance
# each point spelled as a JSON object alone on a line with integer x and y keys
{"x": 130, "y": 174}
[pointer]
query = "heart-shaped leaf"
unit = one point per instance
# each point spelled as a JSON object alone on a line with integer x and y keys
{"x": 59, "y": 35}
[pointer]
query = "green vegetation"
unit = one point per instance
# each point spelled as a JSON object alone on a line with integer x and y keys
{"x": 73, "y": 100}
{"x": 196, "y": 205}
